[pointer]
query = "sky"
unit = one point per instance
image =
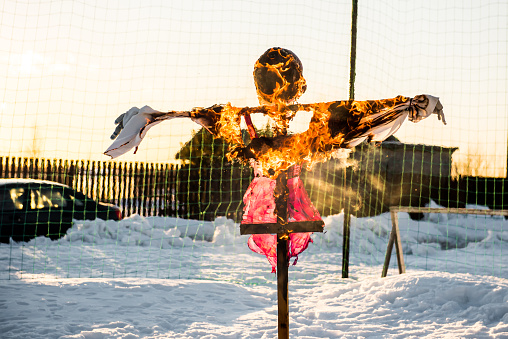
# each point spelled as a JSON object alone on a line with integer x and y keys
{"x": 69, "y": 68}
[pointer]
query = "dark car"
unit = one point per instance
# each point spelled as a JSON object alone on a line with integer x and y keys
{"x": 31, "y": 208}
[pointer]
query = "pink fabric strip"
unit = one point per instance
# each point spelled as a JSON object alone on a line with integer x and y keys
{"x": 260, "y": 206}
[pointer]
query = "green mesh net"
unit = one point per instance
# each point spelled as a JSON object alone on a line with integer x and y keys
{"x": 71, "y": 68}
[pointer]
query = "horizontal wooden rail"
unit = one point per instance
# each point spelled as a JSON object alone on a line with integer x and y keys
{"x": 395, "y": 234}
{"x": 291, "y": 227}
{"x": 448, "y": 210}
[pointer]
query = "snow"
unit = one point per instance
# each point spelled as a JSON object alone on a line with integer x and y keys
{"x": 174, "y": 278}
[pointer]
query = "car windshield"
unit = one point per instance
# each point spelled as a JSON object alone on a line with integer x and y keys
{"x": 46, "y": 198}
{"x": 10, "y": 199}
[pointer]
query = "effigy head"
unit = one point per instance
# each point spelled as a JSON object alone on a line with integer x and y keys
{"x": 278, "y": 75}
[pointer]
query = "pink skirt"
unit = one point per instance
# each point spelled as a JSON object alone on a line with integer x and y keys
{"x": 259, "y": 209}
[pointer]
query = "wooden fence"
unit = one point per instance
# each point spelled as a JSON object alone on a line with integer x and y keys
{"x": 216, "y": 189}
{"x": 148, "y": 189}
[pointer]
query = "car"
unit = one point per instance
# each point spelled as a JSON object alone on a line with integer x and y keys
{"x": 30, "y": 208}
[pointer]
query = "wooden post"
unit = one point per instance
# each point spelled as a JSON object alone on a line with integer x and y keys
{"x": 282, "y": 228}
{"x": 394, "y": 239}
{"x": 281, "y": 194}
{"x": 398, "y": 243}
{"x": 282, "y": 285}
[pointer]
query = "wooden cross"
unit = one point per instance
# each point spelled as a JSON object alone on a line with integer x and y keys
{"x": 282, "y": 228}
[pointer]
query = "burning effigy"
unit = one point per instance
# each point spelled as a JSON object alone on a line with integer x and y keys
{"x": 335, "y": 126}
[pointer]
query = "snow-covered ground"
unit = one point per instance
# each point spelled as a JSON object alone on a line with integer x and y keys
{"x": 174, "y": 278}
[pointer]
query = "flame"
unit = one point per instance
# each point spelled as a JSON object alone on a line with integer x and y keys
{"x": 335, "y": 125}
{"x": 332, "y": 126}
{"x": 278, "y": 76}
{"x": 229, "y": 125}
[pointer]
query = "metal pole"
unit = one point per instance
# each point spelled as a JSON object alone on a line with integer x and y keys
{"x": 352, "y": 74}
{"x": 352, "y": 69}
{"x": 345, "y": 244}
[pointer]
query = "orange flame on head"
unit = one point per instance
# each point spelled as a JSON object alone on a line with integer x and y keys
{"x": 278, "y": 76}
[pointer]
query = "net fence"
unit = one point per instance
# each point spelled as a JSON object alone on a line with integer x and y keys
{"x": 70, "y": 68}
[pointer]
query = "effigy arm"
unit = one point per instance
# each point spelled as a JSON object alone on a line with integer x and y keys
{"x": 219, "y": 120}
{"x": 338, "y": 123}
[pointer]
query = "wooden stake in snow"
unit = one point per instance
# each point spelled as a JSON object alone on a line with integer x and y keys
{"x": 282, "y": 228}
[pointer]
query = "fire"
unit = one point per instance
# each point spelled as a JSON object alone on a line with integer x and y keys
{"x": 334, "y": 125}
{"x": 229, "y": 125}
{"x": 278, "y": 76}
